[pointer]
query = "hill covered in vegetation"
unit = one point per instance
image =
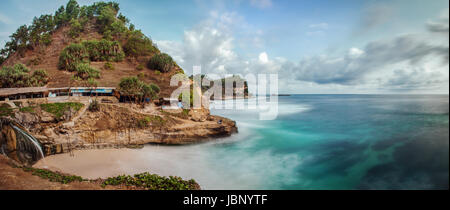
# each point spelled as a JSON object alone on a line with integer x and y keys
{"x": 92, "y": 45}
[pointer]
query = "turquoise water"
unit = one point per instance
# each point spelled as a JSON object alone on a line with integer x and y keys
{"x": 317, "y": 142}
{"x": 336, "y": 142}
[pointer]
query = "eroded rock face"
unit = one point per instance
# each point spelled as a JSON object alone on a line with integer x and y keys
{"x": 27, "y": 119}
{"x": 117, "y": 126}
{"x": 15, "y": 144}
{"x": 8, "y": 140}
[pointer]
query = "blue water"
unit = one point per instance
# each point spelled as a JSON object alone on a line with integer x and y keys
{"x": 335, "y": 142}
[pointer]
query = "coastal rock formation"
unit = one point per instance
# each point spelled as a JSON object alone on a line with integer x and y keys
{"x": 114, "y": 126}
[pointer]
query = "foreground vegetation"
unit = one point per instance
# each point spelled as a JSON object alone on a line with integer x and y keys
{"x": 153, "y": 182}
{"x": 144, "y": 181}
{"x": 53, "y": 176}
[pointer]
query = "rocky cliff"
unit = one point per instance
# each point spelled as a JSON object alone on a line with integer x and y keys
{"x": 114, "y": 126}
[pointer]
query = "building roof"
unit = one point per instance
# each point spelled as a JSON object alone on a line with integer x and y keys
{"x": 15, "y": 91}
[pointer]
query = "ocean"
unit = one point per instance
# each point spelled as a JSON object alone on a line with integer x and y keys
{"x": 317, "y": 142}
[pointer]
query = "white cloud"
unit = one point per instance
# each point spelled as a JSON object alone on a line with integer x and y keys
{"x": 406, "y": 62}
{"x": 263, "y": 57}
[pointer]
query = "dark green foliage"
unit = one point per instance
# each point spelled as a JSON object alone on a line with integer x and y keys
{"x": 18, "y": 76}
{"x": 94, "y": 106}
{"x": 5, "y": 110}
{"x": 108, "y": 66}
{"x": 2, "y": 59}
{"x": 72, "y": 10}
{"x": 93, "y": 50}
{"x": 153, "y": 182}
{"x": 161, "y": 62}
{"x": 53, "y": 176}
{"x": 137, "y": 89}
{"x": 71, "y": 56}
{"x": 40, "y": 30}
{"x": 75, "y": 28}
{"x": 104, "y": 50}
{"x": 85, "y": 72}
{"x": 139, "y": 45}
{"x": 58, "y": 109}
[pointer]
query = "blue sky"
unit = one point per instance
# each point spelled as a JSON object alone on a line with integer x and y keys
{"x": 315, "y": 46}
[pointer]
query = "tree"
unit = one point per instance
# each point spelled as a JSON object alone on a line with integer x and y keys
{"x": 161, "y": 62}
{"x": 136, "y": 89}
{"x": 18, "y": 76}
{"x": 2, "y": 59}
{"x": 75, "y": 28}
{"x": 85, "y": 72}
{"x": 139, "y": 45}
{"x": 71, "y": 56}
{"x": 72, "y": 10}
{"x": 19, "y": 40}
{"x": 60, "y": 16}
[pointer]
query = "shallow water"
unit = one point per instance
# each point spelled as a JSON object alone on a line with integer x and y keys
{"x": 317, "y": 142}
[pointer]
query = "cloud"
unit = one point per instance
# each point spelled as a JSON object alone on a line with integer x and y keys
{"x": 405, "y": 62}
{"x": 352, "y": 67}
{"x": 209, "y": 44}
{"x": 262, "y": 4}
{"x": 441, "y": 25}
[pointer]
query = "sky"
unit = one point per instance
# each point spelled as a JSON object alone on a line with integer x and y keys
{"x": 315, "y": 47}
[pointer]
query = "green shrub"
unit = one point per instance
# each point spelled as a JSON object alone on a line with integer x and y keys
{"x": 53, "y": 176}
{"x": 6, "y": 110}
{"x": 161, "y": 62}
{"x": 153, "y": 182}
{"x": 134, "y": 88}
{"x": 71, "y": 56}
{"x": 141, "y": 75}
{"x": 104, "y": 50}
{"x": 18, "y": 76}
{"x": 93, "y": 50}
{"x": 140, "y": 67}
{"x": 85, "y": 72}
{"x": 108, "y": 66}
{"x": 58, "y": 109}
{"x": 75, "y": 28}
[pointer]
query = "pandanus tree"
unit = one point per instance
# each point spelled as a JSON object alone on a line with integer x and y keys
{"x": 137, "y": 90}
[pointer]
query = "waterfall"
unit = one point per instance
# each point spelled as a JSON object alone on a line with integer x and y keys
{"x": 29, "y": 144}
